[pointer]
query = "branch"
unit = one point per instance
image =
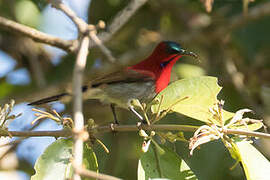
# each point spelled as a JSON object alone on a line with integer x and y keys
{"x": 72, "y": 45}
{"x": 101, "y": 46}
{"x": 121, "y": 18}
{"x": 253, "y": 14}
{"x": 81, "y": 25}
{"x": 77, "y": 105}
{"x": 92, "y": 174}
{"x": 130, "y": 128}
{"x": 36, "y": 35}
{"x": 246, "y": 133}
{"x": 57, "y": 133}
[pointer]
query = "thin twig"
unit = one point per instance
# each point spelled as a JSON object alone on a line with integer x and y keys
{"x": 131, "y": 128}
{"x": 246, "y": 133}
{"x": 252, "y": 15}
{"x": 83, "y": 27}
{"x": 77, "y": 99}
{"x": 92, "y": 174}
{"x": 57, "y": 133}
{"x": 120, "y": 19}
{"x": 37, "y": 35}
{"x": 101, "y": 46}
{"x": 80, "y": 23}
{"x": 73, "y": 45}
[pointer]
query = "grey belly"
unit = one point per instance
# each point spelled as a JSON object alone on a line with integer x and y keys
{"x": 121, "y": 93}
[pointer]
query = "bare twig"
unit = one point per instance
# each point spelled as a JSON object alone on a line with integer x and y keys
{"x": 101, "y": 46}
{"x": 81, "y": 25}
{"x": 246, "y": 133}
{"x": 121, "y": 18}
{"x": 253, "y": 14}
{"x": 57, "y": 133}
{"x": 73, "y": 45}
{"x": 77, "y": 83}
{"x": 92, "y": 174}
{"x": 131, "y": 128}
{"x": 77, "y": 99}
{"x": 37, "y": 35}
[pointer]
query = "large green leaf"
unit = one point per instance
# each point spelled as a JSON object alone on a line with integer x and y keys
{"x": 256, "y": 166}
{"x": 192, "y": 97}
{"x": 55, "y": 162}
{"x": 161, "y": 162}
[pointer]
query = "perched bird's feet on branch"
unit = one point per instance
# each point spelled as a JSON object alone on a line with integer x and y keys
{"x": 114, "y": 114}
{"x": 116, "y": 123}
{"x": 112, "y": 125}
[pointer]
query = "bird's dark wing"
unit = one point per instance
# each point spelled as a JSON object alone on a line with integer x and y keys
{"x": 124, "y": 76}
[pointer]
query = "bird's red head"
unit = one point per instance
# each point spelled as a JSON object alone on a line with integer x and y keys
{"x": 159, "y": 64}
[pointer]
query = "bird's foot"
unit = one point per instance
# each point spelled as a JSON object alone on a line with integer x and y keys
{"x": 112, "y": 126}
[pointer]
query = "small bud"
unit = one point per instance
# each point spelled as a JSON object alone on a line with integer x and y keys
{"x": 144, "y": 105}
{"x": 91, "y": 122}
{"x": 136, "y": 103}
{"x": 143, "y": 133}
{"x": 153, "y": 133}
{"x": 101, "y": 24}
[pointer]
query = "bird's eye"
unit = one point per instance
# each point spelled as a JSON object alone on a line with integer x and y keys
{"x": 164, "y": 64}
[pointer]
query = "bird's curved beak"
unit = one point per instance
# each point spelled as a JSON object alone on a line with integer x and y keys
{"x": 184, "y": 52}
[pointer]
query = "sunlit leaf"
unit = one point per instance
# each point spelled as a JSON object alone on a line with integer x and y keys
{"x": 27, "y": 13}
{"x": 55, "y": 162}
{"x": 192, "y": 97}
{"x": 256, "y": 166}
{"x": 161, "y": 162}
{"x": 250, "y": 127}
{"x": 188, "y": 70}
{"x": 41, "y": 4}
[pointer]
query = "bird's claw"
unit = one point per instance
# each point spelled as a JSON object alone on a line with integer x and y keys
{"x": 112, "y": 125}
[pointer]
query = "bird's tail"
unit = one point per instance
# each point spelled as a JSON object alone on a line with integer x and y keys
{"x": 57, "y": 97}
{"x": 49, "y": 99}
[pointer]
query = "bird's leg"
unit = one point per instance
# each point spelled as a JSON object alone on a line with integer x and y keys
{"x": 114, "y": 114}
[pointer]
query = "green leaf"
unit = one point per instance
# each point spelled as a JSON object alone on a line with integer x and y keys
{"x": 26, "y": 12}
{"x": 55, "y": 162}
{"x": 172, "y": 137}
{"x": 191, "y": 97}
{"x": 250, "y": 127}
{"x": 89, "y": 159}
{"x": 161, "y": 162}
{"x": 256, "y": 166}
{"x": 188, "y": 70}
{"x": 41, "y": 4}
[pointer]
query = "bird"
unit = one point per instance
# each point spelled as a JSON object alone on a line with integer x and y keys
{"x": 142, "y": 81}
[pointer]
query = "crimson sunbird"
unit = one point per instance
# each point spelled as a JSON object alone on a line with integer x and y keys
{"x": 142, "y": 81}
